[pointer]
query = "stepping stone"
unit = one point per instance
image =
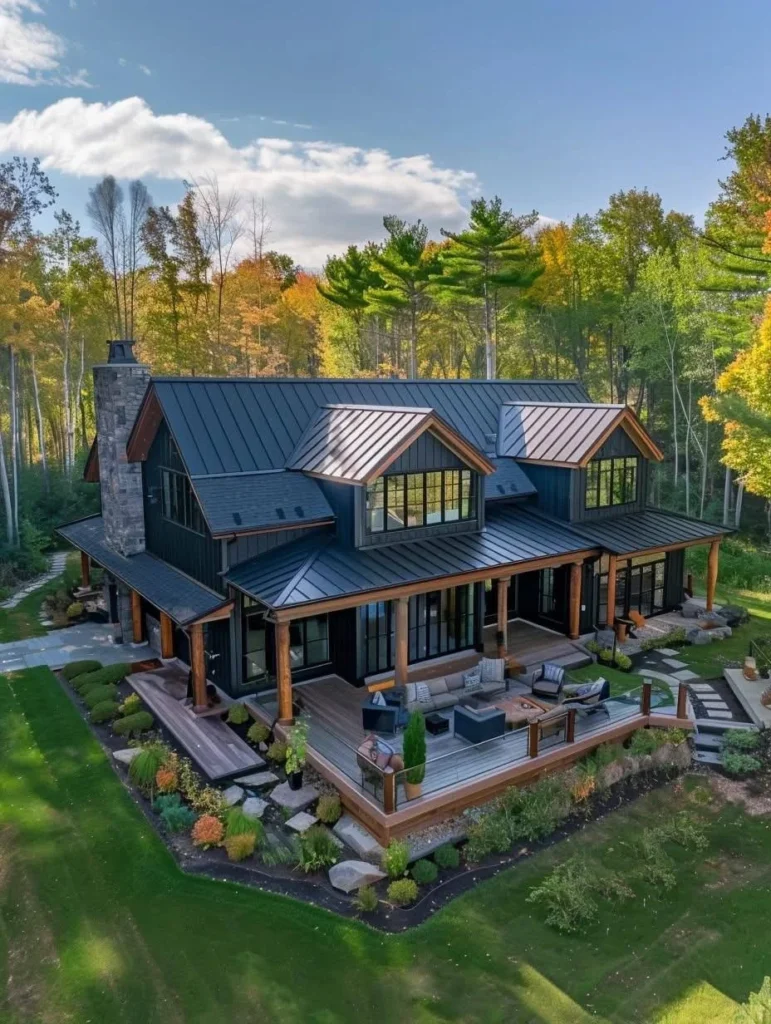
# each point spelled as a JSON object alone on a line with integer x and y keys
{"x": 685, "y": 675}
{"x": 358, "y": 838}
{"x": 294, "y": 799}
{"x": 233, "y": 795}
{"x": 12, "y": 666}
{"x": 301, "y": 822}
{"x": 702, "y": 688}
{"x": 254, "y": 807}
{"x": 667, "y": 652}
{"x": 716, "y": 705}
{"x": 674, "y": 663}
{"x": 718, "y": 714}
{"x": 258, "y": 779}
{"x": 353, "y": 874}
{"x": 128, "y": 755}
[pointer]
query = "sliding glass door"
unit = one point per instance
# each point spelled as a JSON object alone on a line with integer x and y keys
{"x": 639, "y": 587}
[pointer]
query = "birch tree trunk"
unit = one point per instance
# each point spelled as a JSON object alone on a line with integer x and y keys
{"x": 7, "y": 505}
{"x": 727, "y": 496}
{"x": 704, "y": 461}
{"x": 739, "y": 500}
{"x": 14, "y": 447}
{"x": 41, "y": 437}
{"x": 687, "y": 451}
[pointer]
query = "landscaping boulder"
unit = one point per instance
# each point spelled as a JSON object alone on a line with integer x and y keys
{"x": 713, "y": 620}
{"x": 358, "y": 838}
{"x": 254, "y": 807}
{"x": 294, "y": 799}
{"x": 128, "y": 755}
{"x": 301, "y": 821}
{"x": 699, "y": 636}
{"x": 233, "y": 795}
{"x": 353, "y": 874}
{"x": 257, "y": 780}
{"x": 734, "y": 615}
{"x": 692, "y": 609}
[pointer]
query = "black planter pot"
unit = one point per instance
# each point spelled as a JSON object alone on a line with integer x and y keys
{"x": 295, "y": 780}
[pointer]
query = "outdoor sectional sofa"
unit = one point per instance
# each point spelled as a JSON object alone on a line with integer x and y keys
{"x": 447, "y": 691}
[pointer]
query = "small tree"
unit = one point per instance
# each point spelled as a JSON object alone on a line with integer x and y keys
{"x": 415, "y": 749}
{"x": 757, "y": 1010}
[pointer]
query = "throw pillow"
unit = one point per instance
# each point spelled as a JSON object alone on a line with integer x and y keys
{"x": 472, "y": 681}
{"x": 379, "y": 699}
{"x": 553, "y": 673}
{"x": 411, "y": 692}
{"x": 423, "y": 693}
{"x": 492, "y": 670}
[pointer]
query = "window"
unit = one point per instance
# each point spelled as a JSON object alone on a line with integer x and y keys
{"x": 403, "y": 501}
{"x": 611, "y": 482}
{"x": 308, "y": 642}
{"x": 547, "y": 599}
{"x": 178, "y": 503}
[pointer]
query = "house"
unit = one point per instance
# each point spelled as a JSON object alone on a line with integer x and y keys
{"x": 268, "y": 532}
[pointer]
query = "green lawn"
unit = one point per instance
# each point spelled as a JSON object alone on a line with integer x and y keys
{"x": 97, "y": 924}
{"x": 23, "y": 621}
{"x": 710, "y": 659}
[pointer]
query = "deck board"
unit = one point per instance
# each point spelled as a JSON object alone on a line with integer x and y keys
{"x": 212, "y": 744}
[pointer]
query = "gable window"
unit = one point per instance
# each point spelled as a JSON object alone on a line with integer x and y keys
{"x": 407, "y": 500}
{"x": 178, "y": 503}
{"x": 611, "y": 482}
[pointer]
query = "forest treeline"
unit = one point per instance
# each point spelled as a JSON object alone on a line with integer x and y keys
{"x": 636, "y": 301}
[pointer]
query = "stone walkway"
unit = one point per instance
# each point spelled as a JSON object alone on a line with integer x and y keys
{"x": 61, "y": 646}
{"x": 56, "y": 564}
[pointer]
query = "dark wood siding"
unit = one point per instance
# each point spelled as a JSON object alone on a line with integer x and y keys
{"x": 553, "y": 484}
{"x": 196, "y": 554}
{"x": 425, "y": 454}
{"x": 619, "y": 443}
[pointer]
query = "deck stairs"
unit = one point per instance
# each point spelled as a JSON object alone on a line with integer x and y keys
{"x": 708, "y": 737}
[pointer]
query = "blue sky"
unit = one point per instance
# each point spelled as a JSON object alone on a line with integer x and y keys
{"x": 551, "y": 105}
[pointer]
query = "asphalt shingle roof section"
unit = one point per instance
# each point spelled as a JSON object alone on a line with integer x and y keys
{"x": 245, "y": 426}
{"x": 508, "y": 481}
{"x": 651, "y": 528}
{"x": 255, "y": 501}
{"x": 555, "y": 431}
{"x": 308, "y": 571}
{"x": 160, "y": 584}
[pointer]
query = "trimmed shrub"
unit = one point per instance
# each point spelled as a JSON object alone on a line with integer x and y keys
{"x": 98, "y": 694}
{"x": 736, "y": 763}
{"x": 402, "y": 892}
{"x": 207, "y": 832}
{"x": 424, "y": 872}
{"x": 178, "y": 818}
{"x": 257, "y": 733}
{"x": 131, "y": 704}
{"x": 74, "y": 610}
{"x": 606, "y": 656}
{"x": 240, "y": 846}
{"x": 414, "y": 748}
{"x": 143, "y": 770}
{"x": 740, "y": 740}
{"x": 237, "y": 714}
{"x": 238, "y": 824}
{"x": 366, "y": 900}
{"x": 166, "y": 800}
{"x": 593, "y": 646}
{"x": 643, "y": 742}
{"x": 79, "y": 668}
{"x": 396, "y": 857}
{"x": 318, "y": 849}
{"x": 623, "y": 661}
{"x": 490, "y": 834}
{"x": 277, "y": 751}
{"x": 110, "y": 674}
{"x": 166, "y": 780}
{"x": 104, "y": 712}
{"x": 329, "y": 808}
{"x": 208, "y": 800}
{"x": 133, "y": 725}
{"x": 447, "y": 856}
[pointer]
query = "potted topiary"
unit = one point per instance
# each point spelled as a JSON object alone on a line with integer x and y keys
{"x": 414, "y": 750}
{"x": 296, "y": 753}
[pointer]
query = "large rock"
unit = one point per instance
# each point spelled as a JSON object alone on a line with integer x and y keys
{"x": 692, "y": 609}
{"x": 699, "y": 637}
{"x": 734, "y": 614}
{"x": 254, "y": 807}
{"x": 294, "y": 799}
{"x": 126, "y": 756}
{"x": 358, "y": 838}
{"x": 233, "y": 795}
{"x": 353, "y": 874}
{"x": 301, "y": 821}
{"x": 258, "y": 779}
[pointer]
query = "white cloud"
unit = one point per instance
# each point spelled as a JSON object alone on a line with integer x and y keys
{"x": 30, "y": 53}
{"x": 123, "y": 62}
{"x": 144, "y": 69}
{"x": 321, "y": 196}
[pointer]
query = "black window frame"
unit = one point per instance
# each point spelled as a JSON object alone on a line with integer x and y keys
{"x": 298, "y": 639}
{"x": 179, "y": 504}
{"x": 456, "y": 490}
{"x": 612, "y": 482}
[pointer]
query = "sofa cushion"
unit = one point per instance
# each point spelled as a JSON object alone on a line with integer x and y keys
{"x": 492, "y": 669}
{"x": 445, "y": 700}
{"x": 437, "y": 686}
{"x": 553, "y": 673}
{"x": 455, "y": 681}
{"x": 491, "y": 686}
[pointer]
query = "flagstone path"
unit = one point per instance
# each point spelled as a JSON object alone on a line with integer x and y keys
{"x": 56, "y": 564}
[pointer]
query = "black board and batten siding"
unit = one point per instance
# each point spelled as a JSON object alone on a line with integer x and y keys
{"x": 618, "y": 444}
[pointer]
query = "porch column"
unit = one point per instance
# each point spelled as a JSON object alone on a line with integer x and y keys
{"x": 610, "y": 618}
{"x": 198, "y": 668}
{"x": 167, "y": 636}
{"x": 575, "y": 600}
{"x": 283, "y": 674}
{"x": 714, "y": 550}
{"x": 85, "y": 571}
{"x": 401, "y": 629}
{"x": 136, "y": 617}
{"x": 502, "y": 638}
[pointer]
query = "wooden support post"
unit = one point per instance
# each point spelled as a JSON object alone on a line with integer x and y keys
{"x": 136, "y": 617}
{"x": 283, "y": 674}
{"x": 575, "y": 600}
{"x": 198, "y": 667}
{"x": 682, "y": 701}
{"x": 689, "y": 584}
{"x": 533, "y": 731}
{"x": 570, "y": 728}
{"x": 714, "y": 550}
{"x": 389, "y": 790}
{"x": 167, "y": 636}
{"x": 610, "y": 617}
{"x": 85, "y": 570}
{"x": 645, "y": 698}
{"x": 402, "y": 634}
{"x": 502, "y": 638}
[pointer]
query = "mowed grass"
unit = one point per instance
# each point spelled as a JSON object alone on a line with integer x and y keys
{"x": 23, "y": 621}
{"x": 709, "y": 660}
{"x": 98, "y": 924}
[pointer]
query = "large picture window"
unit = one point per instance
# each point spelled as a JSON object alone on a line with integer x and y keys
{"x": 178, "y": 502}
{"x": 309, "y": 641}
{"x": 611, "y": 482}
{"x": 407, "y": 500}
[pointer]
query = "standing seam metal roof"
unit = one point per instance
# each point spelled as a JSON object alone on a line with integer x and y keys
{"x": 651, "y": 528}
{"x": 553, "y": 432}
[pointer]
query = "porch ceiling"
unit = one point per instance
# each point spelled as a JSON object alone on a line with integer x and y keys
{"x": 648, "y": 530}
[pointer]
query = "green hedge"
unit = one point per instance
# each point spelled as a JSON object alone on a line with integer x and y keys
{"x": 98, "y": 694}
{"x": 104, "y": 712}
{"x": 110, "y": 674}
{"x": 79, "y": 668}
{"x": 133, "y": 725}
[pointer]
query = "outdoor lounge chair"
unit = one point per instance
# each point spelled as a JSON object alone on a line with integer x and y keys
{"x": 587, "y": 698}
{"x": 548, "y": 682}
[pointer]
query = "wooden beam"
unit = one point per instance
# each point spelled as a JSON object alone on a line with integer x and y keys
{"x": 224, "y": 612}
{"x": 682, "y": 701}
{"x": 167, "y": 636}
{"x": 402, "y": 633}
{"x": 503, "y": 615}
{"x": 570, "y": 727}
{"x": 389, "y": 790}
{"x": 283, "y": 674}
{"x": 533, "y": 731}
{"x": 575, "y": 600}
{"x": 85, "y": 570}
{"x": 712, "y": 559}
{"x": 610, "y": 617}
{"x": 198, "y": 668}
{"x": 136, "y": 617}
{"x": 645, "y": 697}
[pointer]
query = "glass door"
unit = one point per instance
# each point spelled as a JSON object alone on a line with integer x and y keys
{"x": 257, "y": 660}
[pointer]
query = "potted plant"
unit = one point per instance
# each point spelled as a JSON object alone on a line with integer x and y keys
{"x": 296, "y": 753}
{"x": 414, "y": 750}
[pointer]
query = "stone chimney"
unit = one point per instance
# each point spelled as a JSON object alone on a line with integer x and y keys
{"x": 119, "y": 387}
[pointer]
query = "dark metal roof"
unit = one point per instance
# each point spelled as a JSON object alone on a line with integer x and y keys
{"x": 561, "y": 432}
{"x": 508, "y": 481}
{"x": 160, "y": 584}
{"x": 308, "y": 570}
{"x": 243, "y": 426}
{"x": 651, "y": 528}
{"x": 255, "y": 501}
